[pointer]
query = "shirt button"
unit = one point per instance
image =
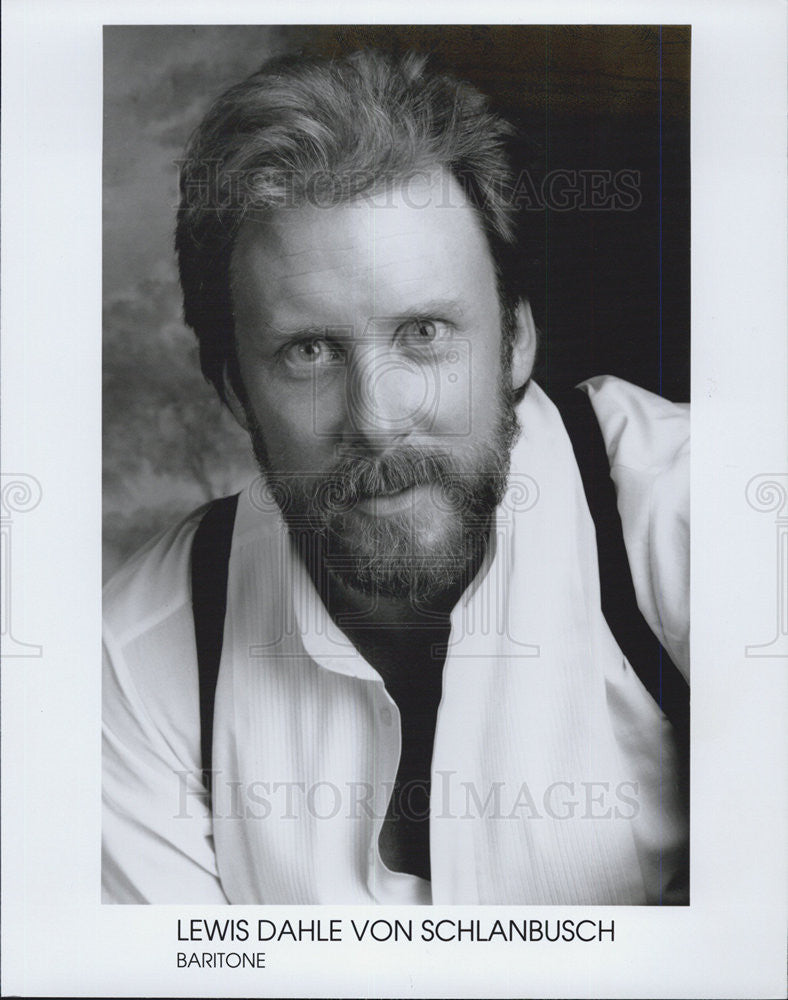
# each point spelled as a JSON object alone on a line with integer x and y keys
{"x": 386, "y": 716}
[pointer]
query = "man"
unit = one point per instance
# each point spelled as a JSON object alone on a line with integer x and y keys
{"x": 418, "y": 696}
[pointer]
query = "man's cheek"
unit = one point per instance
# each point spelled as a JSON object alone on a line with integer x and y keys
{"x": 300, "y": 451}
{"x": 307, "y": 421}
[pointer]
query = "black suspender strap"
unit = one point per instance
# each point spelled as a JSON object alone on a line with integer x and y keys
{"x": 642, "y": 649}
{"x": 210, "y": 559}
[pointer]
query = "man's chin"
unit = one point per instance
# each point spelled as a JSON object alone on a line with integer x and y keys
{"x": 417, "y": 584}
{"x": 397, "y": 556}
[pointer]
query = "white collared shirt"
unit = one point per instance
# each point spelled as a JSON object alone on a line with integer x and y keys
{"x": 553, "y": 771}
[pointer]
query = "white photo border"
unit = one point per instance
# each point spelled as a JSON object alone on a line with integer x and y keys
{"x": 57, "y": 937}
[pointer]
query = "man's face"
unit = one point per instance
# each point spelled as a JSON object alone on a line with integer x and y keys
{"x": 370, "y": 350}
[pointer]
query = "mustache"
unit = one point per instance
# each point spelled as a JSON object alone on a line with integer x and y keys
{"x": 361, "y": 478}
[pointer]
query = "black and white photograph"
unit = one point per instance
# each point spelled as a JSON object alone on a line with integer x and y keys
{"x": 394, "y": 499}
{"x": 404, "y": 663}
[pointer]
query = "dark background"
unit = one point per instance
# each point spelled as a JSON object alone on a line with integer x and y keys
{"x": 609, "y": 287}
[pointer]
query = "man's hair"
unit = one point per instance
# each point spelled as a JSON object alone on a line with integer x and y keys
{"x": 322, "y": 131}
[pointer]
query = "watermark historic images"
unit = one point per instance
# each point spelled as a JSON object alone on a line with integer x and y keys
{"x": 391, "y": 665}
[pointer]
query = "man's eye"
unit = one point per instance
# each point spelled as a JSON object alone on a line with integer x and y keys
{"x": 423, "y": 331}
{"x": 312, "y": 353}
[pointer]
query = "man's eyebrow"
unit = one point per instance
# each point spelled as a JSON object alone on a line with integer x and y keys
{"x": 430, "y": 308}
{"x": 297, "y": 330}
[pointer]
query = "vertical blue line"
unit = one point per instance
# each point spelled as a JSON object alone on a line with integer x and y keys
{"x": 547, "y": 337}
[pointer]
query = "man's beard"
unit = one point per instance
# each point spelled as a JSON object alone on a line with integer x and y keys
{"x": 407, "y": 554}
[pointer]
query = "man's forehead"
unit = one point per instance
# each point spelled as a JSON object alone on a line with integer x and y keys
{"x": 424, "y": 228}
{"x": 292, "y": 247}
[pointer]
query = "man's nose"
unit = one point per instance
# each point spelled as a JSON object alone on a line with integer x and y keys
{"x": 387, "y": 396}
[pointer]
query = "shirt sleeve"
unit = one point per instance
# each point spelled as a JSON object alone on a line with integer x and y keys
{"x": 648, "y": 446}
{"x": 157, "y": 844}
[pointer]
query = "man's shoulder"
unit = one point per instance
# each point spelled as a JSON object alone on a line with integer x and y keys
{"x": 154, "y": 583}
{"x": 642, "y": 431}
{"x": 647, "y": 439}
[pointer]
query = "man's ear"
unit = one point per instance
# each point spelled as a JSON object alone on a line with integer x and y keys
{"x": 524, "y": 345}
{"x": 234, "y": 404}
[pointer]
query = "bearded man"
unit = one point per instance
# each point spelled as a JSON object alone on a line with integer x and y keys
{"x": 382, "y": 673}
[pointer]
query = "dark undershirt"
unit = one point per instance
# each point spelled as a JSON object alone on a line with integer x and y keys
{"x": 410, "y": 661}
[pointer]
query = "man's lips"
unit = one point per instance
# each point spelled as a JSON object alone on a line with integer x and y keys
{"x": 391, "y": 503}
